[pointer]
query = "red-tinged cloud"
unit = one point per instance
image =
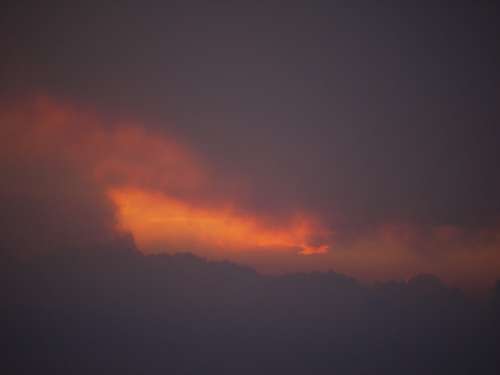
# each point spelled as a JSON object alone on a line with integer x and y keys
{"x": 74, "y": 179}
{"x": 161, "y": 191}
{"x": 161, "y": 222}
{"x": 465, "y": 257}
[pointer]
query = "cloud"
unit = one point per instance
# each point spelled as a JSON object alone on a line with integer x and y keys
{"x": 49, "y": 202}
{"x": 159, "y": 222}
{"x": 77, "y": 179}
{"x": 465, "y": 257}
{"x": 87, "y": 174}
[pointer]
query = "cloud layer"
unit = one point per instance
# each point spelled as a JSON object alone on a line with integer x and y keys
{"x": 77, "y": 179}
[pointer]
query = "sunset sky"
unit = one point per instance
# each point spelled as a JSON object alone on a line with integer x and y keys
{"x": 363, "y": 140}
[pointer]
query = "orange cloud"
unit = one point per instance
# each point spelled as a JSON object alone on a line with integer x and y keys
{"x": 465, "y": 257}
{"x": 161, "y": 222}
{"x": 163, "y": 192}
{"x": 71, "y": 177}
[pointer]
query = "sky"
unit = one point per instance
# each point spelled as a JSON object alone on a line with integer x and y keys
{"x": 286, "y": 136}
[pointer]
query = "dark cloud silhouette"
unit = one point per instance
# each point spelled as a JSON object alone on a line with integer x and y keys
{"x": 124, "y": 312}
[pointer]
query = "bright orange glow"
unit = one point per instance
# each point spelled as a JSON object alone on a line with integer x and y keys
{"x": 158, "y": 221}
